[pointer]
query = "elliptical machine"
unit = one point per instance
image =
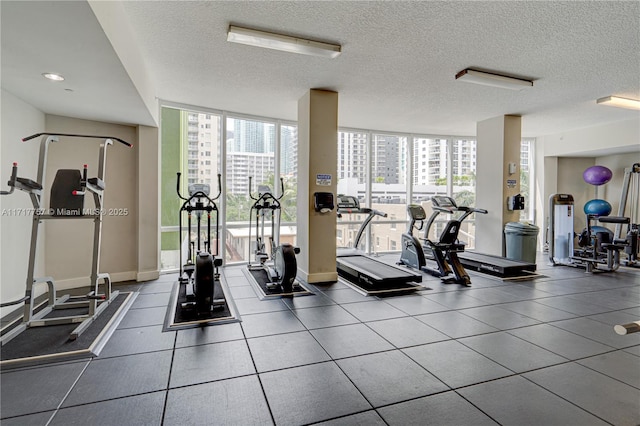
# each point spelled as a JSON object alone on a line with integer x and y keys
{"x": 444, "y": 251}
{"x": 200, "y": 271}
{"x": 281, "y": 271}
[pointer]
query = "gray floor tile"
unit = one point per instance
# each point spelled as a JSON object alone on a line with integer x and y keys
{"x": 39, "y": 419}
{"x": 517, "y": 401}
{"x": 456, "y": 325}
{"x": 613, "y": 318}
{"x": 205, "y": 363}
{"x": 312, "y": 393}
{"x": 205, "y": 335}
{"x": 151, "y": 300}
{"x": 243, "y": 292}
{"x": 403, "y": 379}
{"x": 514, "y": 353}
{"x": 238, "y": 401}
{"x": 36, "y": 389}
{"x": 143, "y": 317}
{"x": 270, "y": 323}
{"x": 494, "y": 295}
{"x": 324, "y": 316}
{"x": 311, "y": 301}
{"x": 236, "y": 280}
{"x": 350, "y": 340}
{"x": 456, "y": 300}
{"x": 121, "y": 376}
{"x": 566, "y": 303}
{"x": 619, "y": 365}
{"x": 403, "y": 332}
{"x": 537, "y": 311}
{"x": 368, "y": 418}
{"x": 138, "y": 340}
{"x": 257, "y": 306}
{"x": 455, "y": 364}
{"x": 602, "y": 396}
{"x": 561, "y": 342}
{"x": 416, "y": 305}
{"x": 164, "y": 286}
{"x": 634, "y": 350}
{"x": 501, "y": 319}
{"x": 373, "y": 310}
{"x": 139, "y": 410}
{"x": 447, "y": 408}
{"x": 286, "y": 350}
{"x": 598, "y": 331}
{"x": 344, "y": 295}
{"x": 612, "y": 299}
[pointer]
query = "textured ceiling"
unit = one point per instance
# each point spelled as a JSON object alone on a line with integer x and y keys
{"x": 397, "y": 69}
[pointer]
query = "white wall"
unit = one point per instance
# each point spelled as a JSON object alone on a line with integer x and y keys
{"x": 19, "y": 119}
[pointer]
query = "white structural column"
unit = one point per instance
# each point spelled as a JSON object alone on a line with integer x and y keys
{"x": 317, "y": 170}
{"x": 498, "y": 146}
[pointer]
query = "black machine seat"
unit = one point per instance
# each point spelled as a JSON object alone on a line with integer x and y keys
{"x": 28, "y": 184}
{"x": 449, "y": 238}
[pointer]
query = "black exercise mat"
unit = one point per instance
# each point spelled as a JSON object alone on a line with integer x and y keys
{"x": 39, "y": 345}
{"x": 179, "y": 318}
{"x": 259, "y": 279}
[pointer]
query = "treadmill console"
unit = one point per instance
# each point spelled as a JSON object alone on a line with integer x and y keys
{"x": 444, "y": 201}
{"x": 348, "y": 202}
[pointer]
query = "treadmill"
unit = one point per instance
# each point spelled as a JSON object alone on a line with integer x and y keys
{"x": 364, "y": 273}
{"x": 502, "y": 267}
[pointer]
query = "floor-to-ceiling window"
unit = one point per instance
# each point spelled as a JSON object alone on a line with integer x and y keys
{"x": 385, "y": 171}
{"x": 388, "y": 191}
{"x": 190, "y": 145}
{"x": 353, "y": 147}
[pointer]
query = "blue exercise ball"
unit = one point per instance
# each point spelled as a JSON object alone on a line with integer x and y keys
{"x": 597, "y": 175}
{"x": 597, "y": 207}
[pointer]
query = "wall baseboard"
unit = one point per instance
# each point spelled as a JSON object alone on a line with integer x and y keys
{"x": 147, "y": 275}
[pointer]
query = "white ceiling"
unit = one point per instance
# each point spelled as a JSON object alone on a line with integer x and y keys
{"x": 396, "y": 72}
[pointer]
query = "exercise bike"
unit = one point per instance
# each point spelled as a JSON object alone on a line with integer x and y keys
{"x": 445, "y": 250}
{"x": 281, "y": 267}
{"x": 200, "y": 271}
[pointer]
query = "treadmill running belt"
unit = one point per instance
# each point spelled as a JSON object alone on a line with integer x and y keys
{"x": 374, "y": 268}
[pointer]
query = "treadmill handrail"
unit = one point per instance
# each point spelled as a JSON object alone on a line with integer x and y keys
{"x": 371, "y": 213}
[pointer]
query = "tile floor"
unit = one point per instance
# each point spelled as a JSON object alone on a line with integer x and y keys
{"x": 540, "y": 352}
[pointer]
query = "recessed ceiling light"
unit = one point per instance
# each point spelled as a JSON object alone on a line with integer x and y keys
{"x": 53, "y": 76}
{"x": 282, "y": 42}
{"x": 491, "y": 79}
{"x": 619, "y": 102}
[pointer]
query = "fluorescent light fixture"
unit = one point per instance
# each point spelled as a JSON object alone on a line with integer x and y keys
{"x": 282, "y": 42}
{"x": 53, "y": 76}
{"x": 619, "y": 102}
{"x": 495, "y": 80}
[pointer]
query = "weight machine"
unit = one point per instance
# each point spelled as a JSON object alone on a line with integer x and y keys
{"x": 66, "y": 202}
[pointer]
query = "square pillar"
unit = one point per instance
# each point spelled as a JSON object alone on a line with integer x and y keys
{"x": 499, "y": 141}
{"x": 317, "y": 155}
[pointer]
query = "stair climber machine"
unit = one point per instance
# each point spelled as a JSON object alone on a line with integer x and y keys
{"x": 364, "y": 273}
{"x": 200, "y": 293}
{"x": 444, "y": 251}
{"x": 273, "y": 272}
